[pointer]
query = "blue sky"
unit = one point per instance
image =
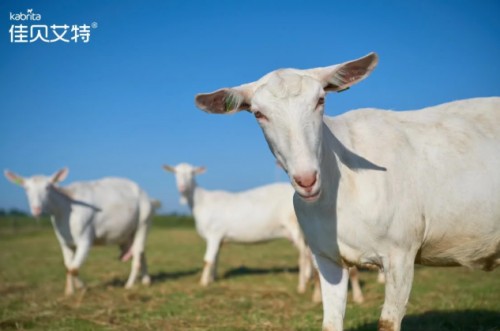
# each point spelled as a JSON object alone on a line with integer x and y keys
{"x": 123, "y": 103}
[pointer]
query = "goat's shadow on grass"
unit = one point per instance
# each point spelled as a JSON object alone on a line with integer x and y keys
{"x": 158, "y": 277}
{"x": 460, "y": 320}
{"x": 245, "y": 271}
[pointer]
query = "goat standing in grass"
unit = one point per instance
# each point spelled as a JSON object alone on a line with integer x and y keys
{"x": 381, "y": 188}
{"x": 110, "y": 211}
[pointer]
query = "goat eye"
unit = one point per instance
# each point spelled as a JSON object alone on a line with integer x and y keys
{"x": 258, "y": 115}
{"x": 321, "y": 101}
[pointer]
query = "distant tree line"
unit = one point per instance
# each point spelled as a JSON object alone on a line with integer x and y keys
{"x": 18, "y": 212}
{"x": 12, "y": 212}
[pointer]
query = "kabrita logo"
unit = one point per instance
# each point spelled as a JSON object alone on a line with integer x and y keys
{"x": 29, "y": 16}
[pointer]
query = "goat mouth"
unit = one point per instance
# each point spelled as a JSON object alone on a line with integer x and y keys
{"x": 310, "y": 197}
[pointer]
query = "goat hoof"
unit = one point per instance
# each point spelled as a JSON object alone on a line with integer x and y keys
{"x": 146, "y": 280}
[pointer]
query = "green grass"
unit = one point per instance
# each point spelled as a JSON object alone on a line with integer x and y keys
{"x": 256, "y": 289}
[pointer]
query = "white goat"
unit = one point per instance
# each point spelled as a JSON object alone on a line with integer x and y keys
{"x": 377, "y": 187}
{"x": 110, "y": 211}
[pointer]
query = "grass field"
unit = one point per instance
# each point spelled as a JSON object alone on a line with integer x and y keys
{"x": 255, "y": 290}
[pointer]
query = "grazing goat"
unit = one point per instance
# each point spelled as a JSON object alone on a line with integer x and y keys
{"x": 375, "y": 187}
{"x": 110, "y": 211}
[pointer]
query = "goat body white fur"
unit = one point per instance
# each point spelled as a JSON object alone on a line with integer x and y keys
{"x": 110, "y": 211}
{"x": 382, "y": 188}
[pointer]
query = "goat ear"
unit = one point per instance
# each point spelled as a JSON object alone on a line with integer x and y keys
{"x": 16, "y": 179}
{"x": 168, "y": 168}
{"x": 60, "y": 175}
{"x": 226, "y": 100}
{"x": 341, "y": 76}
{"x": 200, "y": 170}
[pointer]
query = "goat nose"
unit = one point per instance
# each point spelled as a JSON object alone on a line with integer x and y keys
{"x": 307, "y": 180}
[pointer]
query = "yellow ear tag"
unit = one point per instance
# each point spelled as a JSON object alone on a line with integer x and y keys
{"x": 229, "y": 104}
